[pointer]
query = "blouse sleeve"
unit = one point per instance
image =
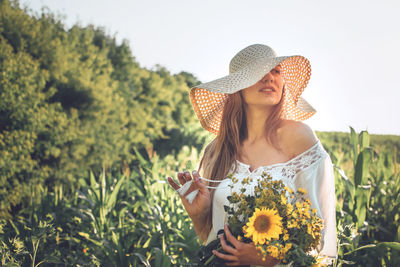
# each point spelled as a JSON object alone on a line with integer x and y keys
{"x": 319, "y": 181}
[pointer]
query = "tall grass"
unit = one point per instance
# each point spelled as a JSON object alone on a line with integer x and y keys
{"x": 134, "y": 218}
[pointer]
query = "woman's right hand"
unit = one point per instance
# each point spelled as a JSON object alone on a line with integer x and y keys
{"x": 202, "y": 202}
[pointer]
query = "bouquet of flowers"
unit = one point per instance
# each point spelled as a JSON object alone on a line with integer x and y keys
{"x": 279, "y": 221}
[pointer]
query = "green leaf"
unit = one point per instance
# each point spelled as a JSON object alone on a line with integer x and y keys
{"x": 143, "y": 260}
{"x": 143, "y": 162}
{"x": 114, "y": 238}
{"x": 103, "y": 187}
{"x": 146, "y": 244}
{"x": 398, "y": 233}
{"x": 364, "y": 140}
{"x": 87, "y": 237}
{"x": 392, "y": 245}
{"x": 111, "y": 200}
{"x": 93, "y": 183}
{"x": 354, "y": 144}
{"x": 53, "y": 259}
{"x": 361, "y": 171}
{"x": 161, "y": 259}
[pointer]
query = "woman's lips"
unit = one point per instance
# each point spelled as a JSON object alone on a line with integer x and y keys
{"x": 267, "y": 90}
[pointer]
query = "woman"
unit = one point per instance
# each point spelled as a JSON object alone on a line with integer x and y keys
{"x": 255, "y": 112}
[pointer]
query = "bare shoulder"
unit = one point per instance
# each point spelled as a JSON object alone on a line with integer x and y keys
{"x": 296, "y": 137}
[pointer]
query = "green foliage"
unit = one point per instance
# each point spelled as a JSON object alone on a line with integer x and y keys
{"x": 30, "y": 128}
{"x": 339, "y": 143}
{"x": 367, "y": 206}
{"x": 129, "y": 219}
{"x": 135, "y": 219}
{"x": 73, "y": 99}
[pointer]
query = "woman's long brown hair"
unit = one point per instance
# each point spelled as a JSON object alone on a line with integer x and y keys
{"x": 220, "y": 154}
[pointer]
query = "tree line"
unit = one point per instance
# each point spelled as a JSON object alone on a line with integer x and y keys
{"x": 74, "y": 99}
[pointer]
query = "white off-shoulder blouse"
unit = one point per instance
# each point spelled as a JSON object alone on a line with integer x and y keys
{"x": 311, "y": 170}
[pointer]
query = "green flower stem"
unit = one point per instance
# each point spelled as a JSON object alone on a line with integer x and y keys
{"x": 210, "y": 259}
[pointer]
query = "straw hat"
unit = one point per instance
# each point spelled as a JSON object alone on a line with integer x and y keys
{"x": 246, "y": 68}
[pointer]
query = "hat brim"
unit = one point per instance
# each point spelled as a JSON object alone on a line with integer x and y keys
{"x": 243, "y": 78}
{"x": 208, "y": 99}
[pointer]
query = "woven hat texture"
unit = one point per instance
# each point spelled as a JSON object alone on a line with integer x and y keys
{"x": 246, "y": 68}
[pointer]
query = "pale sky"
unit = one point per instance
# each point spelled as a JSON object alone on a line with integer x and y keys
{"x": 353, "y": 46}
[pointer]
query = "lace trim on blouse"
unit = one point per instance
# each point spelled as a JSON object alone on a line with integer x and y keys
{"x": 286, "y": 170}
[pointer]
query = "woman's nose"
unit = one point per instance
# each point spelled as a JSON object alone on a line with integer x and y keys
{"x": 267, "y": 78}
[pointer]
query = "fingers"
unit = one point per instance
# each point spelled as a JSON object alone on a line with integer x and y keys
{"x": 233, "y": 264}
{"x": 190, "y": 187}
{"x": 236, "y": 243}
{"x": 225, "y": 256}
{"x": 199, "y": 182}
{"x": 183, "y": 177}
{"x": 187, "y": 176}
{"x": 226, "y": 247}
{"x": 182, "y": 191}
{"x": 172, "y": 183}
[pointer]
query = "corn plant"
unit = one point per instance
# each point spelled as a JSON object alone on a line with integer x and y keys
{"x": 134, "y": 218}
{"x": 102, "y": 199}
{"x": 168, "y": 238}
{"x": 362, "y": 203}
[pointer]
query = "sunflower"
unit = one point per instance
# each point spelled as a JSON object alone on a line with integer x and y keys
{"x": 265, "y": 224}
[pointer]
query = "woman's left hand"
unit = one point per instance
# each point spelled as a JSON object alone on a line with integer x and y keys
{"x": 242, "y": 253}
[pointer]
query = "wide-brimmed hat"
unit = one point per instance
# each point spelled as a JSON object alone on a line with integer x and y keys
{"x": 246, "y": 68}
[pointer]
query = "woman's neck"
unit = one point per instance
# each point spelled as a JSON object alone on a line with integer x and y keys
{"x": 256, "y": 119}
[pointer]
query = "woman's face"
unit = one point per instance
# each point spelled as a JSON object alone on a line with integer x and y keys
{"x": 267, "y": 91}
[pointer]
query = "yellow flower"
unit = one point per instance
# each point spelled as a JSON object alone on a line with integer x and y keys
{"x": 289, "y": 208}
{"x": 294, "y": 214}
{"x": 314, "y": 210}
{"x": 265, "y": 224}
{"x": 283, "y": 199}
{"x": 286, "y": 188}
{"x": 309, "y": 229}
{"x": 302, "y": 191}
{"x": 319, "y": 262}
{"x": 285, "y": 237}
{"x": 286, "y": 248}
{"x": 292, "y": 224}
{"x": 307, "y": 214}
{"x": 273, "y": 251}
